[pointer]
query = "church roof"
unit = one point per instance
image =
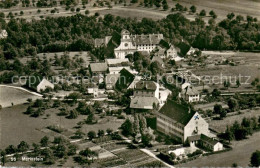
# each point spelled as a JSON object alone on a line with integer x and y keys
{"x": 177, "y": 112}
{"x": 147, "y": 39}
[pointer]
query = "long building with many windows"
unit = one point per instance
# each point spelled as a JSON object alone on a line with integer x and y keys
{"x": 179, "y": 122}
{"x": 132, "y": 43}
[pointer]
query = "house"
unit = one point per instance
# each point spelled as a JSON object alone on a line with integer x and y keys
{"x": 146, "y": 96}
{"x": 132, "y": 43}
{"x": 136, "y": 79}
{"x": 98, "y": 68}
{"x": 125, "y": 79}
{"x": 163, "y": 95}
{"x": 116, "y": 70}
{"x": 160, "y": 52}
{"x": 191, "y": 51}
{"x": 205, "y": 142}
{"x": 40, "y": 84}
{"x": 92, "y": 89}
{"x": 98, "y": 42}
{"x": 159, "y": 60}
{"x": 3, "y": 34}
{"x": 179, "y": 121}
{"x": 111, "y": 80}
{"x": 117, "y": 62}
{"x": 146, "y": 89}
{"x": 190, "y": 94}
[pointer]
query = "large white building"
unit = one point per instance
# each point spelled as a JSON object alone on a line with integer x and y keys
{"x": 132, "y": 43}
{"x": 180, "y": 122}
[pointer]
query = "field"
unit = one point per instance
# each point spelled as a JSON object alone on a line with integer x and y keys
{"x": 221, "y": 7}
{"x": 240, "y": 154}
{"x": 9, "y": 95}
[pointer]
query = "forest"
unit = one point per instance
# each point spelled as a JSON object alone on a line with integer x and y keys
{"x": 76, "y": 33}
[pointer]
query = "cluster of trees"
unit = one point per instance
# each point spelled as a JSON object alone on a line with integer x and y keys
{"x": 50, "y": 151}
{"x": 8, "y": 3}
{"x": 255, "y": 159}
{"x": 239, "y": 131}
{"x": 137, "y": 128}
{"x": 76, "y": 33}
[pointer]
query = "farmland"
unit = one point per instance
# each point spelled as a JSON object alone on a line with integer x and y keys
{"x": 222, "y": 8}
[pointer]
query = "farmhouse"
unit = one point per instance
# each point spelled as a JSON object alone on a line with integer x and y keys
{"x": 180, "y": 122}
{"x": 190, "y": 94}
{"x": 205, "y": 142}
{"x": 40, "y": 85}
{"x": 146, "y": 95}
{"x": 98, "y": 68}
{"x": 132, "y": 43}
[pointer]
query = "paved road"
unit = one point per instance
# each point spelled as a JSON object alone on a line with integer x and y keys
{"x": 240, "y": 154}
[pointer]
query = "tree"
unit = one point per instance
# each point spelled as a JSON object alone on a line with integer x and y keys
{"x": 44, "y": 141}
{"x": 23, "y": 146}
{"x": 226, "y": 84}
{"x": 193, "y": 9}
{"x": 217, "y": 109}
{"x": 127, "y": 128}
{"x": 229, "y": 135}
{"x": 146, "y": 139}
{"x": 21, "y": 12}
{"x": 109, "y": 131}
{"x": 232, "y": 104}
{"x": 101, "y": 133}
{"x": 255, "y": 159}
{"x": 72, "y": 149}
{"x": 73, "y": 114}
{"x": 86, "y": 12}
{"x": 165, "y": 7}
{"x": 202, "y": 12}
{"x": 91, "y": 135}
{"x": 2, "y": 157}
{"x": 72, "y": 9}
{"x": 91, "y": 119}
{"x": 79, "y": 133}
{"x": 230, "y": 16}
{"x": 10, "y": 149}
{"x": 238, "y": 83}
{"x": 78, "y": 10}
{"x": 213, "y": 14}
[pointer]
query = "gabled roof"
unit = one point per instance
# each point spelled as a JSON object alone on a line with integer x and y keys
{"x": 208, "y": 140}
{"x": 125, "y": 79}
{"x": 189, "y": 90}
{"x": 143, "y": 102}
{"x": 98, "y": 67}
{"x": 112, "y": 78}
{"x": 147, "y": 39}
{"x": 116, "y": 61}
{"x": 145, "y": 85}
{"x": 158, "y": 59}
{"x": 184, "y": 48}
{"x": 177, "y": 112}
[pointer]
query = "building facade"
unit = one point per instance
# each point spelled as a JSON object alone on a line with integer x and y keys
{"x": 179, "y": 122}
{"x": 132, "y": 43}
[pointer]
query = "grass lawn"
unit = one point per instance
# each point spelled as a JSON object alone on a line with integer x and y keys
{"x": 10, "y": 95}
{"x": 240, "y": 154}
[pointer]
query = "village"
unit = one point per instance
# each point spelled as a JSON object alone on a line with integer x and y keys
{"x": 126, "y": 99}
